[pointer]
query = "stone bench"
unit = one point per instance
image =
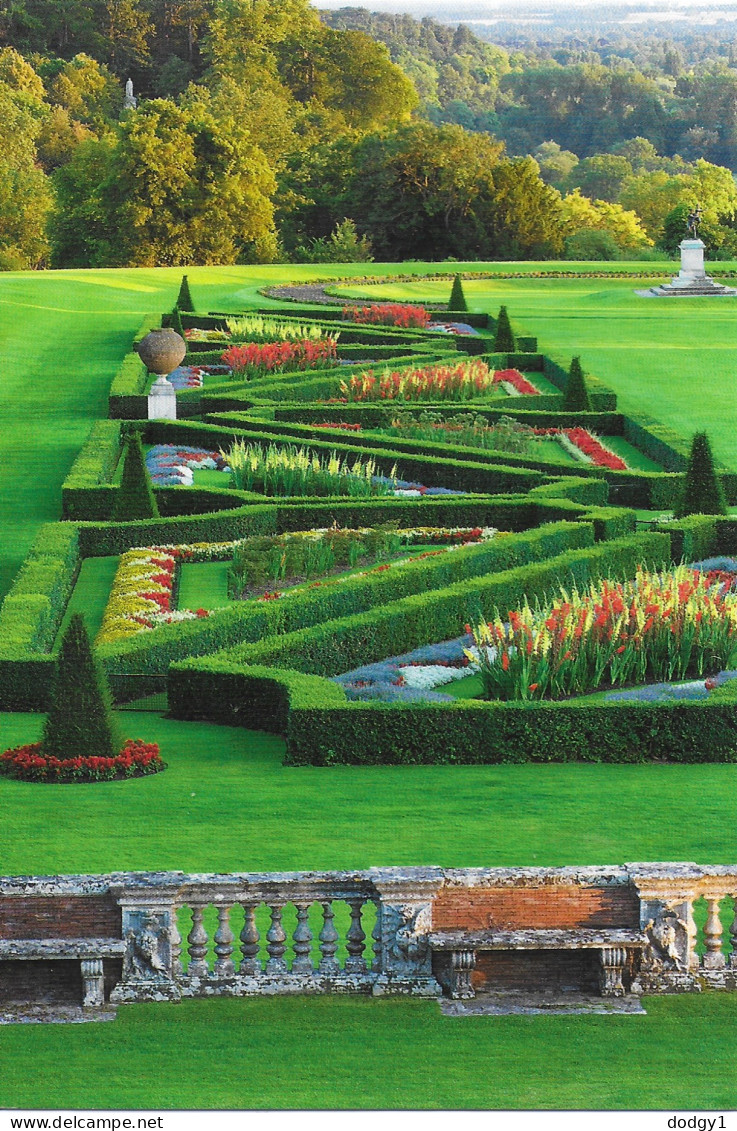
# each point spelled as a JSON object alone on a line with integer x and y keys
{"x": 614, "y": 945}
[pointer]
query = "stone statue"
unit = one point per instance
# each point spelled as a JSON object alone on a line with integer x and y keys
{"x": 130, "y": 102}
{"x": 693, "y": 220}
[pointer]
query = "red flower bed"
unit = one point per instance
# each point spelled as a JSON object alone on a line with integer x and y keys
{"x": 389, "y": 314}
{"x": 582, "y": 439}
{"x": 28, "y": 763}
{"x": 595, "y": 450}
{"x": 517, "y": 380}
{"x": 249, "y": 360}
{"x": 338, "y": 424}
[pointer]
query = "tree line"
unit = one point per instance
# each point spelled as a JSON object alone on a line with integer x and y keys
{"x": 264, "y": 133}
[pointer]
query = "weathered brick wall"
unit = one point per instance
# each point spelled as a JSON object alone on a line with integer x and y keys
{"x": 59, "y": 916}
{"x": 536, "y": 907}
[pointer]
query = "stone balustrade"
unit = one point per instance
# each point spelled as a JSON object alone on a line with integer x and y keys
{"x": 421, "y": 931}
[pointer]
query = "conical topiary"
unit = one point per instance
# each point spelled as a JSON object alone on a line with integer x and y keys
{"x": 80, "y": 722}
{"x": 175, "y": 322}
{"x": 135, "y": 498}
{"x": 576, "y": 397}
{"x": 457, "y": 300}
{"x": 504, "y": 340}
{"x": 702, "y": 492}
{"x": 184, "y": 299}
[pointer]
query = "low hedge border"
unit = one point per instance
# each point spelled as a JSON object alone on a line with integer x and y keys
{"x": 633, "y": 488}
{"x": 322, "y": 729}
{"x": 34, "y": 606}
{"x": 347, "y": 642}
{"x": 253, "y": 621}
{"x": 487, "y": 478}
{"x": 507, "y": 512}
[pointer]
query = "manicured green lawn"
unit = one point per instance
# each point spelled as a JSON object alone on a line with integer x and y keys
{"x": 226, "y": 803}
{"x": 90, "y": 594}
{"x": 203, "y": 585}
{"x": 62, "y": 336}
{"x": 672, "y": 359}
{"x": 375, "y": 1053}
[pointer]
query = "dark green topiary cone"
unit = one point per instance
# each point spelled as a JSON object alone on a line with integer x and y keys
{"x": 702, "y": 491}
{"x": 80, "y": 723}
{"x": 184, "y": 300}
{"x": 135, "y": 498}
{"x": 504, "y": 341}
{"x": 457, "y": 299}
{"x": 576, "y": 397}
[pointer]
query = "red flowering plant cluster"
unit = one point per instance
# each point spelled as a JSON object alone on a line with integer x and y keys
{"x": 253, "y": 360}
{"x": 29, "y": 763}
{"x": 656, "y": 627}
{"x": 337, "y": 424}
{"x": 389, "y": 314}
{"x": 430, "y": 382}
{"x": 516, "y": 381}
{"x": 582, "y": 444}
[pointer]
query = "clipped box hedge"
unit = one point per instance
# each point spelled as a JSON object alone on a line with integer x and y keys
{"x": 347, "y": 642}
{"x": 483, "y": 477}
{"x": 252, "y": 621}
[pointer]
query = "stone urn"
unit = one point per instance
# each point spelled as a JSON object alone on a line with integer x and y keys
{"x": 161, "y": 351}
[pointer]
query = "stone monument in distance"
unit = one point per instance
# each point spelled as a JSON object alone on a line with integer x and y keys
{"x": 692, "y": 280}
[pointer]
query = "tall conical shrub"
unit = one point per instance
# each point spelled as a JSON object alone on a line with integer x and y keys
{"x": 175, "y": 322}
{"x": 576, "y": 397}
{"x": 702, "y": 491}
{"x": 184, "y": 300}
{"x": 504, "y": 341}
{"x": 135, "y": 498}
{"x": 80, "y": 722}
{"x": 457, "y": 300}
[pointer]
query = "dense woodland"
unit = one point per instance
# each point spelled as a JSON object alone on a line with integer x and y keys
{"x": 267, "y": 132}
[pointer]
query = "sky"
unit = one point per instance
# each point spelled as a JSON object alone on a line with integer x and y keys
{"x": 465, "y": 9}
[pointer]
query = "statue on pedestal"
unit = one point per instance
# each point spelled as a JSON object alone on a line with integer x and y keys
{"x": 693, "y": 220}
{"x": 129, "y": 102}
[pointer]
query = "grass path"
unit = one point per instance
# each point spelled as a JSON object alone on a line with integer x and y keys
{"x": 226, "y": 803}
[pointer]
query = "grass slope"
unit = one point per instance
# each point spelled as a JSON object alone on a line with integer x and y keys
{"x": 227, "y": 804}
{"x": 342, "y": 1053}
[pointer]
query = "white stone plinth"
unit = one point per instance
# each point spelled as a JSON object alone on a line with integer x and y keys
{"x": 692, "y": 280}
{"x": 162, "y": 400}
{"x": 692, "y": 264}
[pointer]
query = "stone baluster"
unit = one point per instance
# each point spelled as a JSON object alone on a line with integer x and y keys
{"x": 462, "y": 965}
{"x": 176, "y": 947}
{"x": 328, "y": 942}
{"x": 224, "y": 966}
{"x": 302, "y": 941}
{"x": 250, "y": 964}
{"x": 198, "y": 940}
{"x": 275, "y": 942}
{"x": 693, "y": 960}
{"x": 613, "y": 963}
{"x": 376, "y": 937}
{"x": 355, "y": 939}
{"x": 713, "y": 958}
{"x": 93, "y": 983}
